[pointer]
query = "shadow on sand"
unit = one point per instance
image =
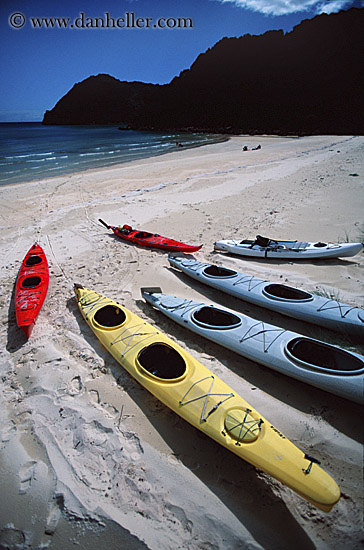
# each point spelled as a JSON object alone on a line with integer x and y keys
{"x": 16, "y": 337}
{"x": 234, "y": 482}
{"x": 275, "y": 261}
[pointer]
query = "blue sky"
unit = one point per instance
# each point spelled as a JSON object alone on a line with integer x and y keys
{"x": 39, "y": 65}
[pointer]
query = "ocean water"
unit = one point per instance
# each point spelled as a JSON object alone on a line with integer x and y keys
{"x": 31, "y": 151}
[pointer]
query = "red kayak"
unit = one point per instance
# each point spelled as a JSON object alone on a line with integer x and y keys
{"x": 150, "y": 240}
{"x": 31, "y": 288}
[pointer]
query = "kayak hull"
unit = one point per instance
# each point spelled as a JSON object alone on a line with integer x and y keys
{"x": 311, "y": 361}
{"x": 289, "y": 250}
{"x": 151, "y": 240}
{"x": 202, "y": 399}
{"x": 31, "y": 288}
{"x": 283, "y": 299}
{"x": 27, "y": 329}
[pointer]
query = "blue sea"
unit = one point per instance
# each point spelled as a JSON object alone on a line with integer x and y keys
{"x": 31, "y": 151}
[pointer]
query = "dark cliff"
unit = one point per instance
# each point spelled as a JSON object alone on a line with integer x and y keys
{"x": 307, "y": 81}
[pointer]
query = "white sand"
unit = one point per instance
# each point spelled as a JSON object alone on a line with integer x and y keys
{"x": 90, "y": 459}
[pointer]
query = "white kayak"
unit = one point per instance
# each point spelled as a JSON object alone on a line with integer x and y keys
{"x": 322, "y": 365}
{"x": 284, "y": 299}
{"x": 264, "y": 247}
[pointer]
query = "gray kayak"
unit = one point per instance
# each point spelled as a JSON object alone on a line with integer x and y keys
{"x": 322, "y": 365}
{"x": 264, "y": 247}
{"x": 277, "y": 297}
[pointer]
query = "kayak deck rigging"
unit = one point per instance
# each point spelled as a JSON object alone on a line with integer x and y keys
{"x": 185, "y": 305}
{"x": 248, "y": 280}
{"x": 24, "y": 299}
{"x": 126, "y": 334}
{"x": 337, "y": 305}
{"x": 204, "y": 415}
{"x": 264, "y": 331}
{"x": 242, "y": 426}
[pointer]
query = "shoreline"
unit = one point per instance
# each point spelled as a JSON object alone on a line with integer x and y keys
{"x": 243, "y": 138}
{"x": 97, "y": 453}
{"x": 247, "y": 138}
{"x": 74, "y": 152}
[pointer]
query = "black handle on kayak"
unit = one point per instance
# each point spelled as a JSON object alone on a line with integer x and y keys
{"x": 150, "y": 290}
{"x": 104, "y": 223}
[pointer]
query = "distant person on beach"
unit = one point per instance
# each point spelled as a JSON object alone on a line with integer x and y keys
{"x": 245, "y": 148}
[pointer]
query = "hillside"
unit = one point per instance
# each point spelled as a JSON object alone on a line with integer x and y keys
{"x": 308, "y": 81}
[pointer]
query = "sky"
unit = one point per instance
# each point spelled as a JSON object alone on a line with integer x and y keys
{"x": 133, "y": 40}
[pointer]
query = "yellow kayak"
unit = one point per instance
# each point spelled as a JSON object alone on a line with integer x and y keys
{"x": 197, "y": 395}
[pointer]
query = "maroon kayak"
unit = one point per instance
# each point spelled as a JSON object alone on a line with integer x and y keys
{"x": 150, "y": 240}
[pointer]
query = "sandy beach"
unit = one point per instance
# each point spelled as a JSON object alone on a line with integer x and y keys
{"x": 88, "y": 457}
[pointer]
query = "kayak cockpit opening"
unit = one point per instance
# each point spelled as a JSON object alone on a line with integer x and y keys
{"x": 109, "y": 316}
{"x": 263, "y": 241}
{"x": 162, "y": 361}
{"x": 219, "y": 272}
{"x": 143, "y": 235}
{"x": 320, "y": 245}
{"x": 286, "y": 293}
{"x": 323, "y": 357}
{"x": 214, "y": 318}
{"x": 33, "y": 260}
{"x": 247, "y": 241}
{"x": 30, "y": 282}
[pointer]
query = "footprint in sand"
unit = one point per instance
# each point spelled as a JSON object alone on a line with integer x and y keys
{"x": 26, "y": 475}
{"x": 74, "y": 387}
{"x": 10, "y": 537}
{"x": 54, "y": 515}
{"x": 6, "y": 433}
